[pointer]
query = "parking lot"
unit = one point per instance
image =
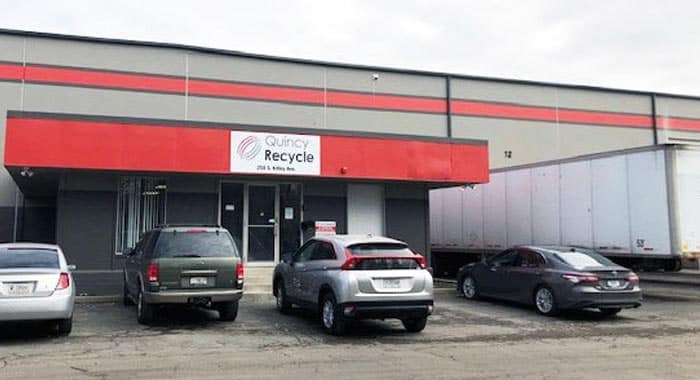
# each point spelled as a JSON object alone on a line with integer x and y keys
{"x": 479, "y": 339}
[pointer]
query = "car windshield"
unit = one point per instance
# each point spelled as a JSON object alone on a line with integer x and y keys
{"x": 580, "y": 260}
{"x": 28, "y": 258}
{"x": 195, "y": 244}
{"x": 380, "y": 249}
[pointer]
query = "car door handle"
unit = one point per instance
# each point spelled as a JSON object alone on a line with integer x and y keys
{"x": 492, "y": 269}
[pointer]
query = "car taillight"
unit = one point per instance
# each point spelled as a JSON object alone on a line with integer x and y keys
{"x": 239, "y": 272}
{"x": 421, "y": 261}
{"x": 63, "y": 281}
{"x": 152, "y": 273}
{"x": 632, "y": 277}
{"x": 577, "y": 278}
{"x": 351, "y": 262}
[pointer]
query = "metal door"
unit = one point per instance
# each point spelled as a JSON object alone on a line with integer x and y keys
{"x": 261, "y": 230}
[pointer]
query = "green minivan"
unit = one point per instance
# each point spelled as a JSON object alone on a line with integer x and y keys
{"x": 188, "y": 265}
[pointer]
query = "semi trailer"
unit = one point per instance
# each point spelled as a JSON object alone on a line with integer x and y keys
{"x": 639, "y": 207}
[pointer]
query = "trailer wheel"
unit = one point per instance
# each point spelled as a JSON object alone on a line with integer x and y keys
{"x": 674, "y": 265}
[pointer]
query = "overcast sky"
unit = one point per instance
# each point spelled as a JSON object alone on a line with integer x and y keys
{"x": 633, "y": 44}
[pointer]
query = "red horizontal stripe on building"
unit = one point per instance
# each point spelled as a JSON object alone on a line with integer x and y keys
{"x": 679, "y": 124}
{"x": 107, "y": 79}
{"x": 102, "y": 145}
{"x": 319, "y": 97}
{"x": 485, "y": 109}
{"x": 389, "y": 102}
{"x": 255, "y": 92}
{"x": 11, "y": 72}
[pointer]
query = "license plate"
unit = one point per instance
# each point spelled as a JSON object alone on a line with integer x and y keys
{"x": 391, "y": 283}
{"x": 199, "y": 281}
{"x": 614, "y": 284}
{"x": 19, "y": 289}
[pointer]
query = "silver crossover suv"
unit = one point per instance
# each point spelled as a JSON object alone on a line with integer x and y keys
{"x": 345, "y": 277}
{"x": 36, "y": 284}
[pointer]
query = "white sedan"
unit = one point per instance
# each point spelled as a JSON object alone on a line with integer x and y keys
{"x": 36, "y": 284}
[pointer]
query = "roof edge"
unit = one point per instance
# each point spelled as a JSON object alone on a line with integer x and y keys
{"x": 237, "y": 53}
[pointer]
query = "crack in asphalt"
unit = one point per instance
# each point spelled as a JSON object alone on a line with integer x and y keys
{"x": 89, "y": 373}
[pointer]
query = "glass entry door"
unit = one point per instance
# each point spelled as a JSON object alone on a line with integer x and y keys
{"x": 262, "y": 224}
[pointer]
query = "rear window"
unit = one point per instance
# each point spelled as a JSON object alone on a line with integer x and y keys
{"x": 384, "y": 256}
{"x": 582, "y": 260}
{"x": 28, "y": 258}
{"x": 195, "y": 244}
{"x": 380, "y": 249}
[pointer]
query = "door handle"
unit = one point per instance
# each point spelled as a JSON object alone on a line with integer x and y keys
{"x": 492, "y": 269}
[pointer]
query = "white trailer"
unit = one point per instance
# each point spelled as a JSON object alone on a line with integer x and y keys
{"x": 640, "y": 207}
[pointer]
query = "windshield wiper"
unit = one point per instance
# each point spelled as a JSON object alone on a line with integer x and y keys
{"x": 186, "y": 256}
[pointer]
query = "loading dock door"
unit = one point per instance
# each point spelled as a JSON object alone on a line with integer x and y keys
{"x": 365, "y": 209}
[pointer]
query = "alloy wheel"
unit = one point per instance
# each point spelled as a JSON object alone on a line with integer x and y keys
{"x": 544, "y": 300}
{"x": 328, "y": 314}
{"x": 469, "y": 287}
{"x": 280, "y": 296}
{"x": 139, "y": 305}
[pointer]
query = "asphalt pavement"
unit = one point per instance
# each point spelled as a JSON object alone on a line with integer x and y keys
{"x": 463, "y": 340}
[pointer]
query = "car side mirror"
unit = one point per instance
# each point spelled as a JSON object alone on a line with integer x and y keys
{"x": 287, "y": 258}
{"x": 129, "y": 252}
{"x": 72, "y": 268}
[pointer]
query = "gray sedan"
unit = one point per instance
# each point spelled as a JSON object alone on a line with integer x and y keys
{"x": 552, "y": 279}
{"x": 36, "y": 284}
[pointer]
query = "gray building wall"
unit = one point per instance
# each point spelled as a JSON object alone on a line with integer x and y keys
{"x": 195, "y": 199}
{"x": 85, "y": 219}
{"x": 326, "y": 200}
{"x": 669, "y": 108}
{"x": 405, "y": 210}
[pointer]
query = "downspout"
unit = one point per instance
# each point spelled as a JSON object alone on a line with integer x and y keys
{"x": 448, "y": 100}
{"x": 653, "y": 119}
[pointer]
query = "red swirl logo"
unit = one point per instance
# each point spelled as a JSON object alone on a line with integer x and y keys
{"x": 249, "y": 148}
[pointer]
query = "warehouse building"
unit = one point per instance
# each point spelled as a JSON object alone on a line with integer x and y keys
{"x": 103, "y": 139}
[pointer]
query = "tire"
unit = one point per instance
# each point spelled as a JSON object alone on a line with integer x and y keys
{"x": 228, "y": 311}
{"x": 331, "y": 317}
{"x": 126, "y": 299}
{"x": 469, "y": 292}
{"x": 64, "y": 326}
{"x": 610, "y": 311}
{"x": 414, "y": 325}
{"x": 145, "y": 312}
{"x": 545, "y": 301}
{"x": 282, "y": 303}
